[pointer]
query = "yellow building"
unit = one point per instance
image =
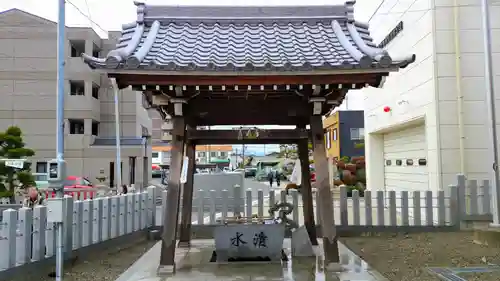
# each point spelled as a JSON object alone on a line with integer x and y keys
{"x": 344, "y": 134}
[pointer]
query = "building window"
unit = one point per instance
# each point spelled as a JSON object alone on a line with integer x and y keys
{"x": 154, "y": 155}
{"x": 77, "y": 48}
{"x": 223, "y": 154}
{"x": 95, "y": 91}
{"x": 213, "y": 154}
{"x": 95, "y": 128}
{"x": 77, "y": 88}
{"x": 357, "y": 133}
{"x": 335, "y": 134}
{"x": 96, "y": 52}
{"x": 76, "y": 127}
{"x": 202, "y": 154}
{"x": 41, "y": 167}
{"x": 328, "y": 140}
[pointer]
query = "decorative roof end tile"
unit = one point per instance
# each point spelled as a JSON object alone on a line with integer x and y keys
{"x": 141, "y": 7}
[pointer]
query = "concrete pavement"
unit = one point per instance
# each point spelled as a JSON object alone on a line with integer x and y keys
{"x": 194, "y": 265}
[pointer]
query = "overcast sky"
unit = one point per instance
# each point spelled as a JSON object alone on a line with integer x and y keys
{"x": 111, "y": 14}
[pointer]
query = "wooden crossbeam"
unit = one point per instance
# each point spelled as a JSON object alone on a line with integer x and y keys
{"x": 274, "y": 136}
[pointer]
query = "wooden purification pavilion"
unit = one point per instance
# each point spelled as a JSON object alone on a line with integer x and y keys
{"x": 246, "y": 66}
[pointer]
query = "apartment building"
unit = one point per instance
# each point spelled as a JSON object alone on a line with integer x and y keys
{"x": 160, "y": 130}
{"x": 205, "y": 154}
{"x": 429, "y": 122}
{"x": 344, "y": 134}
{"x": 28, "y": 89}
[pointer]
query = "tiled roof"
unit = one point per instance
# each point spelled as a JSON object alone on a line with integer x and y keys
{"x": 245, "y": 39}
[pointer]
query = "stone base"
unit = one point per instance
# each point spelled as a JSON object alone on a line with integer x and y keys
{"x": 165, "y": 270}
{"x": 184, "y": 244}
{"x": 488, "y": 237}
{"x": 154, "y": 235}
{"x": 334, "y": 267}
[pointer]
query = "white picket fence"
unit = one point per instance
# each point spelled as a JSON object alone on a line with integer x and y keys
{"x": 378, "y": 208}
{"x": 25, "y": 235}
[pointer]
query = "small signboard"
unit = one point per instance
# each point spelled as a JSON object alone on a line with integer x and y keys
{"x": 184, "y": 170}
{"x": 14, "y": 163}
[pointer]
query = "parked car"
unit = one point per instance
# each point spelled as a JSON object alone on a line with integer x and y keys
{"x": 250, "y": 172}
{"x": 156, "y": 171}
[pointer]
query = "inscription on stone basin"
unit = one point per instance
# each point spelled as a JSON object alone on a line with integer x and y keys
{"x": 249, "y": 241}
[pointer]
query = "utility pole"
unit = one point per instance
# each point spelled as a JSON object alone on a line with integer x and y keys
{"x": 117, "y": 136}
{"x": 61, "y": 57}
{"x": 492, "y": 120}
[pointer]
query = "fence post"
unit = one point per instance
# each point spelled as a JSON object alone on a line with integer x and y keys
{"x": 213, "y": 206}
{"x": 238, "y": 202}
{"x": 137, "y": 212}
{"x": 260, "y": 203}
{"x": 272, "y": 198}
{"x": 25, "y": 229}
{"x": 68, "y": 225}
{"x": 455, "y": 216}
{"x": 144, "y": 212}
{"x": 106, "y": 219}
{"x": 201, "y": 206}
{"x": 99, "y": 215}
{"x": 151, "y": 203}
{"x": 122, "y": 212}
{"x": 77, "y": 224}
{"x": 344, "y": 216}
{"x": 115, "y": 214}
{"x": 248, "y": 201}
{"x": 462, "y": 201}
{"x": 130, "y": 212}
{"x": 86, "y": 221}
{"x": 39, "y": 232}
{"x": 486, "y": 206}
{"x": 225, "y": 199}
{"x": 9, "y": 230}
{"x": 473, "y": 197}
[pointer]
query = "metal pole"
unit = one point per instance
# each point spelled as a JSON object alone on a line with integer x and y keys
{"x": 490, "y": 100}
{"x": 61, "y": 28}
{"x": 117, "y": 136}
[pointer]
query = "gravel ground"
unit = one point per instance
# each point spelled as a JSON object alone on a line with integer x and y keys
{"x": 406, "y": 257}
{"x": 105, "y": 266}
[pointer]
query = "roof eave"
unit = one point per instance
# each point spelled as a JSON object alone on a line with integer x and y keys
{"x": 338, "y": 71}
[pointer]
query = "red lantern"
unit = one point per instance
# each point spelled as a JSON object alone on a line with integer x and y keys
{"x": 387, "y": 109}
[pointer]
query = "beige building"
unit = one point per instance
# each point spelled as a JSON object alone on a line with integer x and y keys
{"x": 160, "y": 130}
{"x": 28, "y": 100}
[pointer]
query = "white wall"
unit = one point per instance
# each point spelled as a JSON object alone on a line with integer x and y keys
{"x": 471, "y": 86}
{"x": 409, "y": 93}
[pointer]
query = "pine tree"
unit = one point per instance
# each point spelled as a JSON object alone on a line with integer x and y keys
{"x": 12, "y": 147}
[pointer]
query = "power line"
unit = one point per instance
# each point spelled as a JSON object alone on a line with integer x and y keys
{"x": 88, "y": 11}
{"x": 376, "y": 10}
{"x": 86, "y": 16}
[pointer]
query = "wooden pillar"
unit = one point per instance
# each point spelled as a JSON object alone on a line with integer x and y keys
{"x": 187, "y": 198}
{"x": 171, "y": 215}
{"x": 327, "y": 220}
{"x": 307, "y": 199}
